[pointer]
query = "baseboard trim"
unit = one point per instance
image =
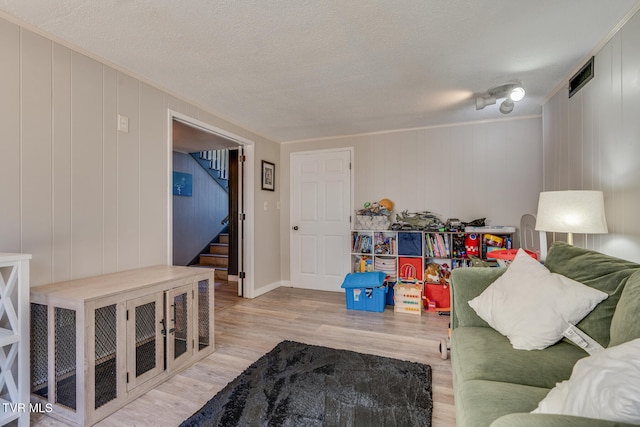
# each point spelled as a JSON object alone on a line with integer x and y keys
{"x": 268, "y": 288}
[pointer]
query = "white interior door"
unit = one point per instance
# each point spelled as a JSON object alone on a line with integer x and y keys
{"x": 320, "y": 210}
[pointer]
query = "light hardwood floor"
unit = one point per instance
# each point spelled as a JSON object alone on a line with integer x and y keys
{"x": 247, "y": 329}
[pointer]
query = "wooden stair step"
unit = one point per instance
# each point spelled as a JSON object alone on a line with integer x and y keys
{"x": 219, "y": 248}
{"x": 223, "y": 238}
{"x": 220, "y": 273}
{"x": 217, "y": 260}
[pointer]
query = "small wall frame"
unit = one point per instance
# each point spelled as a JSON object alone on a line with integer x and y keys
{"x": 268, "y": 176}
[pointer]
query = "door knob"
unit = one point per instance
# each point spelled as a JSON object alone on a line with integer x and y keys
{"x": 295, "y": 227}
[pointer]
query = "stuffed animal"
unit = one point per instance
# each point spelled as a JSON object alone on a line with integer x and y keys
{"x": 433, "y": 273}
{"x": 445, "y": 274}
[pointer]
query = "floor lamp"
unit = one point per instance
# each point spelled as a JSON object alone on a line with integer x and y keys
{"x": 571, "y": 212}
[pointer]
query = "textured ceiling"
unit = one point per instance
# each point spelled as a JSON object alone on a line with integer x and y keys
{"x": 293, "y": 70}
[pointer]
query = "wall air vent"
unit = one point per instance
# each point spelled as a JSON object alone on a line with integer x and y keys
{"x": 581, "y": 78}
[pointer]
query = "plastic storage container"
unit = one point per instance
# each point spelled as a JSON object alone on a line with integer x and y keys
{"x": 365, "y": 291}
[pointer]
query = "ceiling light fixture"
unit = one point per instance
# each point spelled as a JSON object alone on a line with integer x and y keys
{"x": 511, "y": 92}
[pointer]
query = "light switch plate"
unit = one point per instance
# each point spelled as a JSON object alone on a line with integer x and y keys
{"x": 123, "y": 123}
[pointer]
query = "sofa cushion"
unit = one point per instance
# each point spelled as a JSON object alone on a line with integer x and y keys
{"x": 466, "y": 284}
{"x": 605, "y": 385}
{"x": 600, "y": 271}
{"x": 547, "y": 420}
{"x": 532, "y": 306}
{"x": 478, "y": 403}
{"x": 479, "y": 353}
{"x": 625, "y": 324}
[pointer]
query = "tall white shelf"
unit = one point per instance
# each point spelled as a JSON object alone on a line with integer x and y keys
{"x": 14, "y": 338}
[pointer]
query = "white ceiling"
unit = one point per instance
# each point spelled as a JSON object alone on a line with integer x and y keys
{"x": 294, "y": 70}
{"x": 189, "y": 139}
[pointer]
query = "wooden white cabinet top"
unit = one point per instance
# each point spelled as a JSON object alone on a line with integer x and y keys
{"x": 91, "y": 288}
{"x": 11, "y": 257}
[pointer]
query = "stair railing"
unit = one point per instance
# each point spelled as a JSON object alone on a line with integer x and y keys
{"x": 216, "y": 163}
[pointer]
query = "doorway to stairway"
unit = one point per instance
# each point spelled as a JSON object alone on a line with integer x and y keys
{"x": 210, "y": 161}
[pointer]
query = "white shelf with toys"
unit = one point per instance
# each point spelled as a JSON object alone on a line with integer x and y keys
{"x": 407, "y": 253}
{"x": 421, "y": 248}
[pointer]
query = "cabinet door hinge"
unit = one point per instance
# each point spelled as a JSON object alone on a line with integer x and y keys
{"x": 127, "y": 377}
{"x": 242, "y": 158}
{"x": 241, "y": 275}
{"x": 127, "y": 319}
{"x": 242, "y": 216}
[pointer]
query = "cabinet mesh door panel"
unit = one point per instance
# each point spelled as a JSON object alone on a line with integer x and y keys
{"x": 203, "y": 314}
{"x": 145, "y": 338}
{"x": 180, "y": 317}
{"x": 105, "y": 358}
{"x": 65, "y": 357}
{"x": 39, "y": 350}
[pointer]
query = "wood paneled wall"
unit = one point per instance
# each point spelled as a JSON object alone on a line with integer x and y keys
{"x": 84, "y": 199}
{"x": 469, "y": 171}
{"x": 81, "y": 196}
{"x": 592, "y": 142}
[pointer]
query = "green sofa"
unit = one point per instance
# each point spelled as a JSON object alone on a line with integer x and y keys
{"x": 495, "y": 385}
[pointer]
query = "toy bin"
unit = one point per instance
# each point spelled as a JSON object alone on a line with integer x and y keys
{"x": 438, "y": 294}
{"x": 365, "y": 291}
{"x": 410, "y": 268}
{"x": 390, "y": 300}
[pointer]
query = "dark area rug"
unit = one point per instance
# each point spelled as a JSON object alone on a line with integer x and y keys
{"x": 305, "y": 385}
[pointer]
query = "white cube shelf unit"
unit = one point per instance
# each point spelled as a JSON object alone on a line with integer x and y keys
{"x": 99, "y": 343}
{"x": 392, "y": 251}
{"x": 14, "y": 339}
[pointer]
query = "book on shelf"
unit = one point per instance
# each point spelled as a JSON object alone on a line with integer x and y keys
{"x": 362, "y": 243}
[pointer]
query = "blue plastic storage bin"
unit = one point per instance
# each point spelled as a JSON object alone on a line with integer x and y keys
{"x": 390, "y": 300}
{"x": 365, "y": 291}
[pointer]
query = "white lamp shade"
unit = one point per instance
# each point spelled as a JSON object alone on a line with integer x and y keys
{"x": 571, "y": 212}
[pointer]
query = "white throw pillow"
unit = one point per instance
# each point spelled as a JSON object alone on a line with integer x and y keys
{"x": 605, "y": 386}
{"x": 532, "y": 306}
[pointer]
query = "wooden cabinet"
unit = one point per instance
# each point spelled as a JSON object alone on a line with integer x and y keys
{"x": 99, "y": 343}
{"x": 14, "y": 339}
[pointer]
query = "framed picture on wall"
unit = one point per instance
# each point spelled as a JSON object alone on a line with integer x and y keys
{"x": 268, "y": 176}
{"x": 182, "y": 184}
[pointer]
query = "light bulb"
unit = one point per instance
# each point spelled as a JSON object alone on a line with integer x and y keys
{"x": 516, "y": 94}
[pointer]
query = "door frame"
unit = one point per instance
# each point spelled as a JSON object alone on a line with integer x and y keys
{"x": 246, "y": 201}
{"x": 352, "y": 169}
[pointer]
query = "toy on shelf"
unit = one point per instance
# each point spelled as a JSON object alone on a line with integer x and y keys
{"x": 383, "y": 207}
{"x": 374, "y": 216}
{"x": 505, "y": 256}
{"x": 437, "y": 273}
{"x": 407, "y": 272}
{"x": 365, "y": 265}
{"x": 433, "y": 272}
